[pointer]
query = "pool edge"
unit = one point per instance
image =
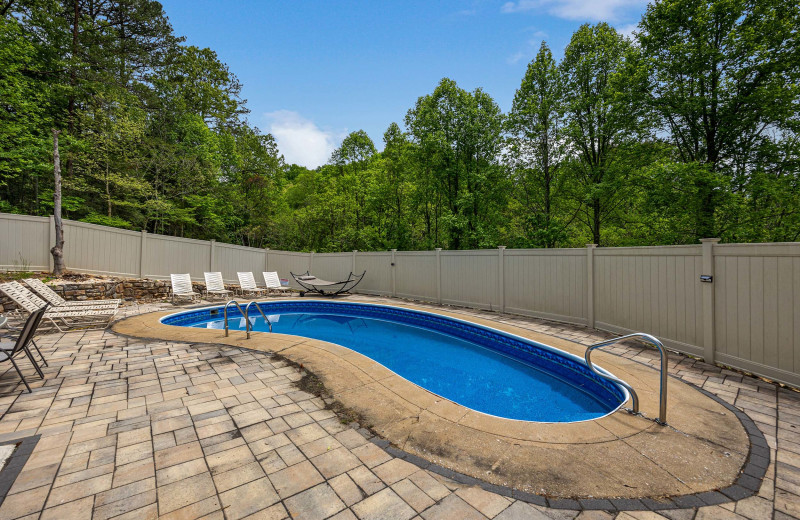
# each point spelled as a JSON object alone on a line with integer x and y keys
{"x": 152, "y": 327}
{"x": 625, "y": 395}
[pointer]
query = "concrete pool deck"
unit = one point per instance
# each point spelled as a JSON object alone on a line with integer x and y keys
{"x": 135, "y": 429}
{"x": 618, "y": 456}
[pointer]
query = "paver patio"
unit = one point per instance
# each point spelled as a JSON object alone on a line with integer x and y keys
{"x": 132, "y": 429}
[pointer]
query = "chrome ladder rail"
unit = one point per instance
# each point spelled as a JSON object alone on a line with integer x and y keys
{"x": 647, "y": 338}
{"x": 247, "y": 326}
{"x": 247, "y": 317}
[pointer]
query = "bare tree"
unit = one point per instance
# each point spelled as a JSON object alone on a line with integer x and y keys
{"x": 5, "y": 6}
{"x": 57, "y": 250}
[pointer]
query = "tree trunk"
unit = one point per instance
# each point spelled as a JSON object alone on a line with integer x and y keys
{"x": 705, "y": 227}
{"x": 596, "y": 220}
{"x": 108, "y": 191}
{"x": 58, "y": 250}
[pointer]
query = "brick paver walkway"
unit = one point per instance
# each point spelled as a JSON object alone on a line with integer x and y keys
{"x": 136, "y": 430}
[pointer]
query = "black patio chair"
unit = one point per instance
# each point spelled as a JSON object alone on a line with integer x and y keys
{"x": 11, "y": 349}
{"x": 5, "y": 325}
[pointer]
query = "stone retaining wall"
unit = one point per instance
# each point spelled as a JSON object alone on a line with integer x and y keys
{"x": 130, "y": 290}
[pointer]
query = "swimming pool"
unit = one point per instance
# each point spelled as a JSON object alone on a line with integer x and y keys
{"x": 484, "y": 369}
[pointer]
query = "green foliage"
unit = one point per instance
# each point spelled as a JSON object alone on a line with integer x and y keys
{"x": 536, "y": 154}
{"x": 599, "y": 125}
{"x": 724, "y": 77}
{"x": 689, "y": 131}
{"x": 459, "y": 138}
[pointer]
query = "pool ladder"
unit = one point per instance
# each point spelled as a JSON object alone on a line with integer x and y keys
{"x": 248, "y": 327}
{"x": 647, "y": 338}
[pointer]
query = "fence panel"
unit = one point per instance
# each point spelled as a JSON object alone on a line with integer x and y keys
{"x": 333, "y": 267}
{"x": 651, "y": 289}
{"x": 102, "y": 250}
{"x": 378, "y": 279}
{"x": 415, "y": 275}
{"x": 284, "y": 262}
{"x": 470, "y": 278}
{"x": 757, "y": 308}
{"x": 230, "y": 259}
{"x": 24, "y": 243}
{"x": 548, "y": 283}
{"x": 166, "y": 255}
{"x": 752, "y": 323}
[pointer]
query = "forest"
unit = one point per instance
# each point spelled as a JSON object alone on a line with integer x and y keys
{"x": 686, "y": 130}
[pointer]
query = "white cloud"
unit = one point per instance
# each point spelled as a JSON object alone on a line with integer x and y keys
{"x": 515, "y": 58}
{"x": 594, "y": 10}
{"x": 521, "y": 5}
{"x": 531, "y": 48}
{"x": 300, "y": 140}
{"x": 627, "y": 30}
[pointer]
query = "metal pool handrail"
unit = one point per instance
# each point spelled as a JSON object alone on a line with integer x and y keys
{"x": 647, "y": 338}
{"x": 247, "y": 317}
{"x": 226, "y": 316}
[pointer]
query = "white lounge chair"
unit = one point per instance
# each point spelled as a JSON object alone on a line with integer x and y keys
{"x": 182, "y": 287}
{"x": 57, "y": 301}
{"x": 215, "y": 285}
{"x": 247, "y": 283}
{"x": 273, "y": 281}
{"x": 62, "y": 318}
{"x": 30, "y": 301}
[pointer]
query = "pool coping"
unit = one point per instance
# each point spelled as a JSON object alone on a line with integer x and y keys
{"x": 752, "y": 471}
{"x": 745, "y": 486}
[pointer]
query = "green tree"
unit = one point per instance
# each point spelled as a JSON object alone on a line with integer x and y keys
{"x": 392, "y": 199}
{"x": 352, "y": 161}
{"x": 24, "y": 145}
{"x": 459, "y": 138}
{"x": 537, "y": 148}
{"x": 597, "y": 122}
{"x": 723, "y": 75}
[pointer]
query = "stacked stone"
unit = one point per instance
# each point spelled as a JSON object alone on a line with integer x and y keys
{"x": 139, "y": 290}
{"x": 131, "y": 290}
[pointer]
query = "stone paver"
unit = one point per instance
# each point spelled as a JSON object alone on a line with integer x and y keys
{"x": 383, "y": 505}
{"x": 294, "y": 479}
{"x": 316, "y": 503}
{"x": 136, "y": 429}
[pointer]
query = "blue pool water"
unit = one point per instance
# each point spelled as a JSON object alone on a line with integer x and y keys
{"x": 480, "y": 368}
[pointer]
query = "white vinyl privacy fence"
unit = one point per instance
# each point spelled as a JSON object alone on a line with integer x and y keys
{"x": 737, "y": 304}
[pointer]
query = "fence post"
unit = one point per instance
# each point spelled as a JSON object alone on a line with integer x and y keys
{"x": 213, "y": 245}
{"x": 394, "y": 286}
{"x": 266, "y": 259}
{"x": 590, "y": 285}
{"x": 52, "y": 243}
{"x": 501, "y": 277}
{"x": 709, "y": 332}
{"x": 142, "y": 253}
{"x": 311, "y": 261}
{"x": 439, "y": 275}
{"x": 353, "y": 269}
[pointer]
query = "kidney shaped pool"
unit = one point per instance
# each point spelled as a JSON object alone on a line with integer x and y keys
{"x": 484, "y": 369}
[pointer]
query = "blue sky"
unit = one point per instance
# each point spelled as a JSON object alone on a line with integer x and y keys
{"x": 315, "y": 71}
